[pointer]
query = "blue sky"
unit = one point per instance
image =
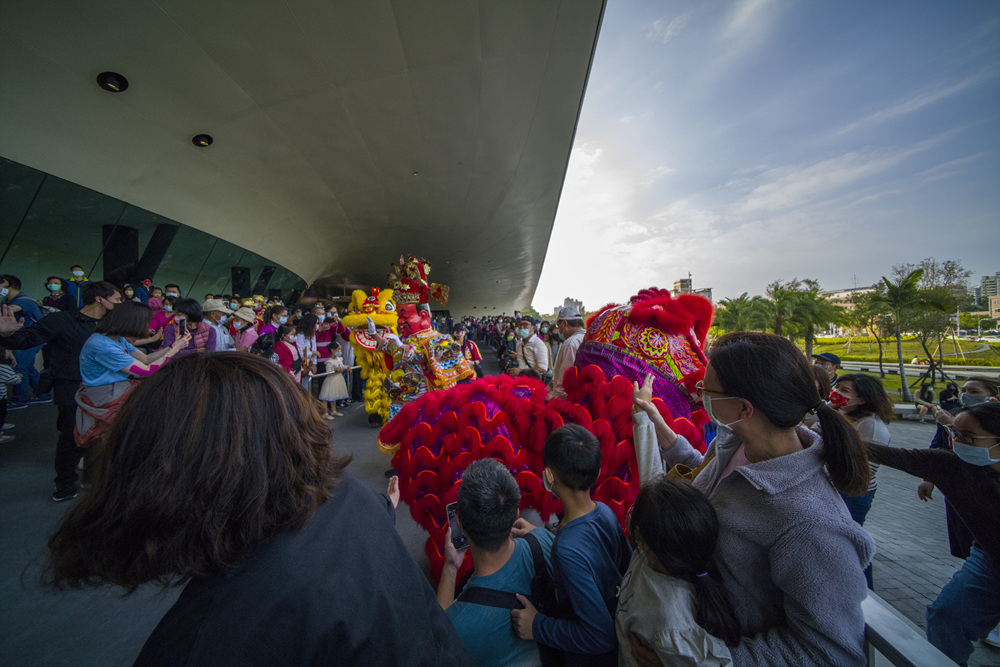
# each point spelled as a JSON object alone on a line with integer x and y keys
{"x": 749, "y": 141}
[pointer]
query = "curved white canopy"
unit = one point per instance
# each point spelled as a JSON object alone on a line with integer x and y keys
{"x": 346, "y": 133}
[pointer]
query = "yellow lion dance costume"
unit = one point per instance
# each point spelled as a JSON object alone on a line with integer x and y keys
{"x": 376, "y": 366}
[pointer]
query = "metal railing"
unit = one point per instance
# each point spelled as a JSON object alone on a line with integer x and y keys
{"x": 892, "y": 639}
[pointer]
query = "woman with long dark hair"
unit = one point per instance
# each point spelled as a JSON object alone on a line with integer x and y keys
{"x": 862, "y": 399}
{"x": 273, "y": 317}
{"x": 238, "y": 495}
{"x": 671, "y": 599}
{"x": 789, "y": 554}
{"x": 968, "y": 607}
{"x": 109, "y": 361}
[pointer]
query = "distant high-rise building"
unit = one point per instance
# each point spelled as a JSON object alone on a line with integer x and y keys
{"x": 989, "y": 286}
{"x": 685, "y": 286}
{"x": 569, "y": 303}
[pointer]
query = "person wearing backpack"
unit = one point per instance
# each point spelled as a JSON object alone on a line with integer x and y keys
{"x": 590, "y": 556}
{"x": 504, "y": 568}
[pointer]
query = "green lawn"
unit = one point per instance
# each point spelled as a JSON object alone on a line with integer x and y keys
{"x": 911, "y": 348}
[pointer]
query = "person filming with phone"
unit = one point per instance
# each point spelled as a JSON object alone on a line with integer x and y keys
{"x": 482, "y": 521}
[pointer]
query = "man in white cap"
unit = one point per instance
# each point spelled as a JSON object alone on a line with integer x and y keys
{"x": 569, "y": 324}
{"x": 217, "y": 313}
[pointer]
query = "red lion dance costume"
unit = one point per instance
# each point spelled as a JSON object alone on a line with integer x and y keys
{"x": 507, "y": 418}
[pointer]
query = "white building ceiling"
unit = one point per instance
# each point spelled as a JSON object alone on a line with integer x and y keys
{"x": 346, "y": 133}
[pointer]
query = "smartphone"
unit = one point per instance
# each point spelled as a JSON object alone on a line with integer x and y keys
{"x": 390, "y": 473}
{"x": 458, "y": 538}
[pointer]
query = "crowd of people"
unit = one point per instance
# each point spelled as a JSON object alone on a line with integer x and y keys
{"x": 750, "y": 553}
{"x": 96, "y": 338}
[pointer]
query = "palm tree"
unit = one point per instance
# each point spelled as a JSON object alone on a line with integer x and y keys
{"x": 868, "y": 314}
{"x": 901, "y": 298}
{"x": 735, "y": 314}
{"x": 811, "y": 311}
{"x": 777, "y": 311}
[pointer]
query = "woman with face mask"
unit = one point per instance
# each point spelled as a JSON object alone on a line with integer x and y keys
{"x": 968, "y": 607}
{"x": 274, "y": 317}
{"x": 789, "y": 554}
{"x": 862, "y": 399}
{"x": 244, "y": 333}
{"x": 58, "y": 294}
{"x": 977, "y": 389}
{"x": 188, "y": 318}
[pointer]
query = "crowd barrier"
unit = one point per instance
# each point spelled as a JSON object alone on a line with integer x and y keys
{"x": 892, "y": 639}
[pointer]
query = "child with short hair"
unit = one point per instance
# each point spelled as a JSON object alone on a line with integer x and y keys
{"x": 589, "y": 557}
{"x": 670, "y": 601}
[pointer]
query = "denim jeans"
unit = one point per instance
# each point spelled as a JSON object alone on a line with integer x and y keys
{"x": 967, "y": 608}
{"x": 29, "y": 374}
{"x": 859, "y": 507}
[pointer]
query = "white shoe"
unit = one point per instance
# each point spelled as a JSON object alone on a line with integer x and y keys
{"x": 7, "y": 427}
{"x": 328, "y": 416}
{"x": 993, "y": 639}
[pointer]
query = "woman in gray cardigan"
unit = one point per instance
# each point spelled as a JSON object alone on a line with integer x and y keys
{"x": 791, "y": 558}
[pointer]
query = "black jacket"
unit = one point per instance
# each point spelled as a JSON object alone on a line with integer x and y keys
{"x": 341, "y": 591}
{"x": 65, "y": 333}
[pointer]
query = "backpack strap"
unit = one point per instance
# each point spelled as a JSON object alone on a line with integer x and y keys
{"x": 536, "y": 553}
{"x": 489, "y": 597}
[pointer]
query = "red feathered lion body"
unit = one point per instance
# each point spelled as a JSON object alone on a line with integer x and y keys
{"x": 508, "y": 418}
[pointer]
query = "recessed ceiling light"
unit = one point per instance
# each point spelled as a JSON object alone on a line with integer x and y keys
{"x": 112, "y": 82}
{"x": 202, "y": 140}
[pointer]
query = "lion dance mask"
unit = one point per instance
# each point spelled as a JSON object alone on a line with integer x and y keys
{"x": 376, "y": 366}
{"x": 508, "y": 418}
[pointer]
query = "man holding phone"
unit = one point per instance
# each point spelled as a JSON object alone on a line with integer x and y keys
{"x": 486, "y": 513}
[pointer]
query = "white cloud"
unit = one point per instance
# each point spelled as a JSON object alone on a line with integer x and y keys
{"x": 950, "y": 168}
{"x": 916, "y": 102}
{"x": 654, "y": 175}
{"x": 793, "y": 186}
{"x": 663, "y": 30}
{"x": 748, "y": 21}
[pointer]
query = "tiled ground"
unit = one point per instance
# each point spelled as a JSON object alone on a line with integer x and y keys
{"x": 913, "y": 561}
{"x": 39, "y": 627}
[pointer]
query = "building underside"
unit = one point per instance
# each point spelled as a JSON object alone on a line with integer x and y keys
{"x": 344, "y": 135}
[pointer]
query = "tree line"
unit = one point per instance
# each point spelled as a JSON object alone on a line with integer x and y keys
{"x": 916, "y": 298}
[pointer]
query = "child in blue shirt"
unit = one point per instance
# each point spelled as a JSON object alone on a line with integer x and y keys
{"x": 589, "y": 557}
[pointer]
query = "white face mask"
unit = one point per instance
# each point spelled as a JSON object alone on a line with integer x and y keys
{"x": 78, "y": 274}
{"x": 173, "y": 294}
{"x": 707, "y": 402}
{"x": 320, "y": 318}
{"x": 977, "y": 456}
{"x": 283, "y": 319}
{"x": 224, "y": 319}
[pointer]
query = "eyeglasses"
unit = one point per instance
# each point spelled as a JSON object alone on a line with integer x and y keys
{"x": 700, "y": 386}
{"x": 959, "y": 436}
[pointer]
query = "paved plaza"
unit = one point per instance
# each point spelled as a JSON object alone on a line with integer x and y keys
{"x": 99, "y": 627}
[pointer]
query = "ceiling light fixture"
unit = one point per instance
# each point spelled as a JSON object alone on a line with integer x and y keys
{"x": 112, "y": 82}
{"x": 202, "y": 140}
